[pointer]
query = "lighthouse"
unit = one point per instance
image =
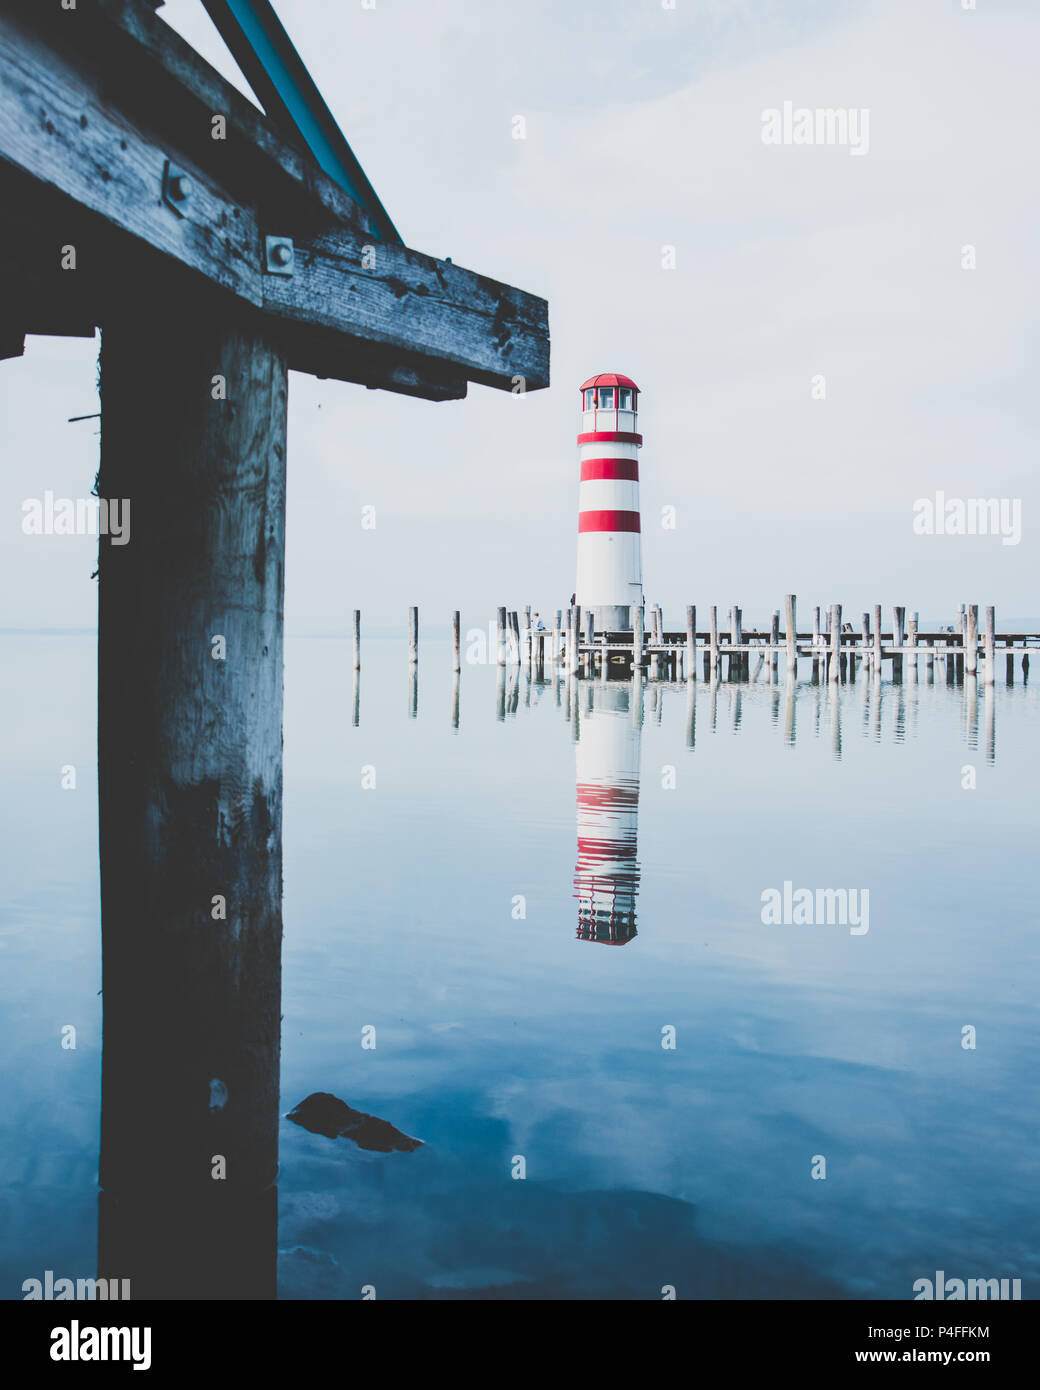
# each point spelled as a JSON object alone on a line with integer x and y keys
{"x": 610, "y": 562}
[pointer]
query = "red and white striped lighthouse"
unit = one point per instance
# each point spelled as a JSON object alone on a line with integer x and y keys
{"x": 610, "y": 562}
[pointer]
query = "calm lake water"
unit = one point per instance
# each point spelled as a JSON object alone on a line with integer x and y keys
{"x": 522, "y": 908}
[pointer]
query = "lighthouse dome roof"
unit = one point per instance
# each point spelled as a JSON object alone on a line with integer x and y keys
{"x": 609, "y": 379}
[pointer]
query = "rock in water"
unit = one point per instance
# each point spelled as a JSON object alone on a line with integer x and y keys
{"x": 326, "y": 1114}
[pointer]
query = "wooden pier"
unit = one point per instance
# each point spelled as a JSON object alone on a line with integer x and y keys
{"x": 835, "y": 648}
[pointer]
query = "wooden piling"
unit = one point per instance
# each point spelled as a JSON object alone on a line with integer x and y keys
{"x": 991, "y": 645}
{"x": 971, "y": 640}
{"x": 555, "y": 649}
{"x": 190, "y": 678}
{"x": 877, "y": 641}
{"x": 691, "y": 643}
{"x": 791, "y": 633}
{"x": 816, "y": 642}
{"x": 713, "y": 640}
{"x": 835, "y": 657}
{"x": 898, "y": 634}
{"x": 413, "y": 635}
{"x": 357, "y": 639}
{"x": 774, "y": 643}
{"x": 501, "y": 632}
{"x": 637, "y": 640}
{"x": 456, "y": 640}
{"x": 743, "y": 658}
{"x": 866, "y": 643}
{"x": 911, "y": 642}
{"x": 733, "y": 664}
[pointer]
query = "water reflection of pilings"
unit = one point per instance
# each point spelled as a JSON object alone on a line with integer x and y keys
{"x": 900, "y": 698}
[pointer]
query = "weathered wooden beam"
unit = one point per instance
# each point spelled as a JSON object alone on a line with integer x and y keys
{"x": 146, "y": 64}
{"x": 381, "y": 295}
{"x": 340, "y": 301}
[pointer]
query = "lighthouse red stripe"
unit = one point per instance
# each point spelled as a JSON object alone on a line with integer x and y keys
{"x": 610, "y": 437}
{"x": 608, "y": 521}
{"x": 592, "y": 469}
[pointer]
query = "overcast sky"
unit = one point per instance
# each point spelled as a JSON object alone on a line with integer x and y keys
{"x": 644, "y": 131}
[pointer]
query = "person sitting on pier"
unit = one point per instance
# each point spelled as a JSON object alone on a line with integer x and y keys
{"x": 536, "y": 624}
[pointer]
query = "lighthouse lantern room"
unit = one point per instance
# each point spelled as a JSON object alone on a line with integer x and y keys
{"x": 610, "y": 568}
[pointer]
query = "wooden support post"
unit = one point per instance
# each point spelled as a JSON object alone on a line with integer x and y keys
{"x": 713, "y": 640}
{"x": 691, "y": 643}
{"x": 556, "y": 637}
{"x": 1009, "y": 663}
{"x": 356, "y": 718}
{"x": 413, "y": 690}
{"x": 743, "y": 658}
{"x": 898, "y": 633}
{"x": 413, "y": 635}
{"x": 357, "y": 639}
{"x": 971, "y": 641}
{"x": 655, "y": 640}
{"x": 877, "y": 641}
{"x": 733, "y": 665}
{"x": 637, "y": 640}
{"x": 190, "y": 787}
{"x": 455, "y": 684}
{"x": 590, "y": 627}
{"x": 835, "y": 661}
{"x": 456, "y": 641}
{"x": 501, "y": 634}
{"x": 816, "y": 643}
{"x": 911, "y": 642}
{"x": 774, "y": 643}
{"x": 866, "y": 643}
{"x": 991, "y": 645}
{"x": 791, "y": 633}
{"x": 573, "y": 653}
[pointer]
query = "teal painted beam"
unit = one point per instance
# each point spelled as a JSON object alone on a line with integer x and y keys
{"x": 287, "y": 92}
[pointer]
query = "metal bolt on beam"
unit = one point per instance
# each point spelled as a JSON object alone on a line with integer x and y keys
{"x": 279, "y": 255}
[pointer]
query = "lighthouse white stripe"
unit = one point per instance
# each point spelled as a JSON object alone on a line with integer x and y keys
{"x": 608, "y": 494}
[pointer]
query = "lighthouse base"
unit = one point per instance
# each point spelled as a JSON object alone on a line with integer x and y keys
{"x": 611, "y": 617}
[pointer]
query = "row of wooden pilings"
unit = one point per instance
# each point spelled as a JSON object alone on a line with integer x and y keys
{"x": 832, "y": 645}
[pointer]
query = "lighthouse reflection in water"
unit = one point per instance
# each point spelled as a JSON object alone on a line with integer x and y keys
{"x": 606, "y": 878}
